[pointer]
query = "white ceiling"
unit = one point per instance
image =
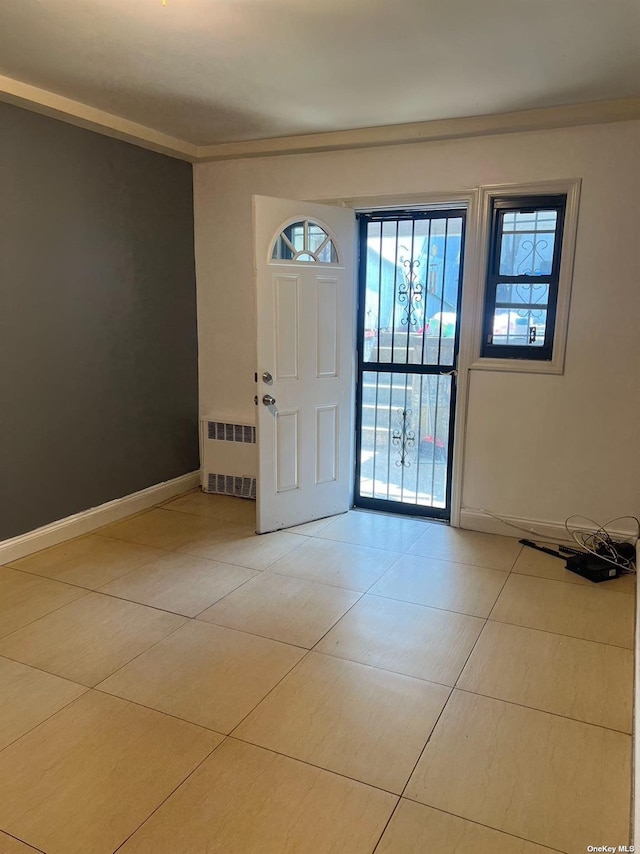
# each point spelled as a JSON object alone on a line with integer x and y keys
{"x": 213, "y": 71}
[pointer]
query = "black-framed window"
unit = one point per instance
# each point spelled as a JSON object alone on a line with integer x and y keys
{"x": 522, "y": 277}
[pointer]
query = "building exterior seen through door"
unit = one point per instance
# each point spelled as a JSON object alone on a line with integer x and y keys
{"x": 410, "y": 282}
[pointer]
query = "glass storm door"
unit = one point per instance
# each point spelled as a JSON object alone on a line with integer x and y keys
{"x": 408, "y": 337}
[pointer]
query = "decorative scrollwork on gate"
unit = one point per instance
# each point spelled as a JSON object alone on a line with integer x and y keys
{"x": 404, "y": 439}
{"x": 410, "y": 292}
{"x": 534, "y": 262}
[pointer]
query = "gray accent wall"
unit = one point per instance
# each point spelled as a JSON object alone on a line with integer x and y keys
{"x": 98, "y": 335}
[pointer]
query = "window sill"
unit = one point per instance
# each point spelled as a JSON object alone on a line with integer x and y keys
{"x": 519, "y": 366}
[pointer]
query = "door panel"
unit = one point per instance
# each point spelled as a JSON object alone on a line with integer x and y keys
{"x": 327, "y": 328}
{"x": 286, "y": 327}
{"x": 327, "y": 443}
{"x": 306, "y": 292}
{"x": 287, "y": 450}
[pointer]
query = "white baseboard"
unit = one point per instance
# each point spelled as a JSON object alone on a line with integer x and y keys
{"x": 96, "y": 517}
{"x": 480, "y": 520}
{"x": 537, "y": 529}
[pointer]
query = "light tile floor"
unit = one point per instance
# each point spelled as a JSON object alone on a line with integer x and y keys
{"x": 173, "y": 684}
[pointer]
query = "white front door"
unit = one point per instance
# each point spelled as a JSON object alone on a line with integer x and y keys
{"x": 305, "y": 285}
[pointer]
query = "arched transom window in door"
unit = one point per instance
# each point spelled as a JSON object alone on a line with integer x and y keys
{"x": 305, "y": 241}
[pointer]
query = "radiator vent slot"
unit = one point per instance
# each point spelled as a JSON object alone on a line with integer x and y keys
{"x": 224, "y": 432}
{"x": 229, "y": 454}
{"x": 227, "y": 484}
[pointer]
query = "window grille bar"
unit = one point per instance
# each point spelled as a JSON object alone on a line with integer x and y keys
{"x": 395, "y": 296}
{"x": 426, "y": 294}
{"x": 442, "y": 283}
{"x": 435, "y": 438}
{"x": 523, "y": 306}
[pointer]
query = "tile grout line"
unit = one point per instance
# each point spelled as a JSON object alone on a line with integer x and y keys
{"x": 268, "y": 566}
{"x": 541, "y": 711}
{"x": 226, "y": 595}
{"x": 101, "y": 591}
{"x": 313, "y": 765}
{"x": 387, "y": 670}
{"x": 593, "y": 586}
{"x": 268, "y": 694}
{"x": 433, "y": 729}
{"x": 252, "y": 634}
{"x": 127, "y": 701}
{"x": 423, "y": 605}
{"x": 388, "y": 822}
{"x": 179, "y": 613}
{"x": 223, "y": 524}
{"x": 48, "y": 717}
{"x": 558, "y": 634}
{"x": 41, "y": 617}
{"x": 157, "y": 711}
{"x": 73, "y": 601}
{"x": 162, "y": 552}
{"x": 73, "y": 583}
{"x": 146, "y": 565}
{"x": 171, "y": 793}
{"x": 597, "y": 588}
{"x": 325, "y": 583}
{"x": 48, "y": 673}
{"x": 296, "y": 665}
{"x": 291, "y": 669}
{"x": 135, "y": 657}
{"x": 18, "y": 839}
{"x": 404, "y": 551}
{"x": 269, "y": 571}
{"x": 81, "y": 684}
{"x": 399, "y": 801}
{"x": 226, "y": 735}
{"x": 383, "y": 669}
{"x": 488, "y": 826}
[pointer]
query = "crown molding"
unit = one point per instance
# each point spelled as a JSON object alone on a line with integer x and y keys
{"x": 573, "y": 115}
{"x": 75, "y": 112}
{"x": 82, "y": 115}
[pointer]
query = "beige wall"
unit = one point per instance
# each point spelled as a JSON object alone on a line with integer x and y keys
{"x": 537, "y": 447}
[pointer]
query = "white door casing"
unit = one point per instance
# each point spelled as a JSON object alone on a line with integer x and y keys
{"x": 306, "y": 341}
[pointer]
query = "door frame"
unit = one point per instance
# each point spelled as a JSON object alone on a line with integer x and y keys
{"x": 470, "y": 300}
{"x": 437, "y": 213}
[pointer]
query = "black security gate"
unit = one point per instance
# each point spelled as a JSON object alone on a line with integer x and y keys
{"x": 408, "y": 336}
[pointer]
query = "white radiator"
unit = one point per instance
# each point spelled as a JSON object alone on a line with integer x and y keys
{"x": 229, "y": 458}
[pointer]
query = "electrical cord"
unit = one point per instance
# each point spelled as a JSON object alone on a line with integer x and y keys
{"x": 538, "y": 534}
{"x": 598, "y": 541}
